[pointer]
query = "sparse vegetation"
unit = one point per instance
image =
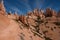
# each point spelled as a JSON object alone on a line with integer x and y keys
{"x": 26, "y": 25}
{"x": 36, "y": 30}
{"x": 46, "y": 22}
{"x": 39, "y": 21}
{"x": 10, "y": 30}
{"x": 45, "y": 31}
{"x": 21, "y": 37}
{"x": 52, "y": 29}
{"x": 16, "y": 20}
{"x": 47, "y": 38}
{"x": 57, "y": 23}
{"x": 38, "y": 34}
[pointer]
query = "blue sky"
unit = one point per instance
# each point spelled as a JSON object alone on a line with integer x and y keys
{"x": 24, "y": 6}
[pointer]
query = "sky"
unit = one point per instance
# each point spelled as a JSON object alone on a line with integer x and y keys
{"x": 24, "y": 6}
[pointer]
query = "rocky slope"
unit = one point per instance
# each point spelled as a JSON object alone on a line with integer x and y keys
{"x": 36, "y": 25}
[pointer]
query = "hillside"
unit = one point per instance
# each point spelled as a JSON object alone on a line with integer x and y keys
{"x": 35, "y": 25}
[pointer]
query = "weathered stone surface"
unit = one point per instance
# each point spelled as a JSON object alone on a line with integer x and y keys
{"x": 2, "y": 9}
{"x": 34, "y": 26}
{"x": 36, "y": 12}
{"x": 50, "y": 12}
{"x": 4, "y": 22}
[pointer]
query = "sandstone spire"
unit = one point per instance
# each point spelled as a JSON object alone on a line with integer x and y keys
{"x": 48, "y": 12}
{"x": 15, "y": 13}
{"x": 36, "y": 12}
{"x": 2, "y": 8}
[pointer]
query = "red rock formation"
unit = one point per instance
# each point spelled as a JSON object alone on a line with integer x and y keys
{"x": 54, "y": 13}
{"x": 50, "y": 12}
{"x": 41, "y": 14}
{"x": 29, "y": 13}
{"x": 36, "y": 12}
{"x": 22, "y": 18}
{"x": 4, "y": 22}
{"x": 2, "y": 9}
{"x": 38, "y": 29}
{"x": 16, "y": 15}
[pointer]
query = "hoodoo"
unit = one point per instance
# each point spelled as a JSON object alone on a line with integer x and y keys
{"x": 2, "y": 8}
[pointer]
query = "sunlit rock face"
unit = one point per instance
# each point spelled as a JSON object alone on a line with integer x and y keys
{"x": 36, "y": 12}
{"x": 22, "y": 18}
{"x": 2, "y": 9}
{"x": 36, "y": 25}
{"x": 41, "y": 14}
{"x": 4, "y": 22}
